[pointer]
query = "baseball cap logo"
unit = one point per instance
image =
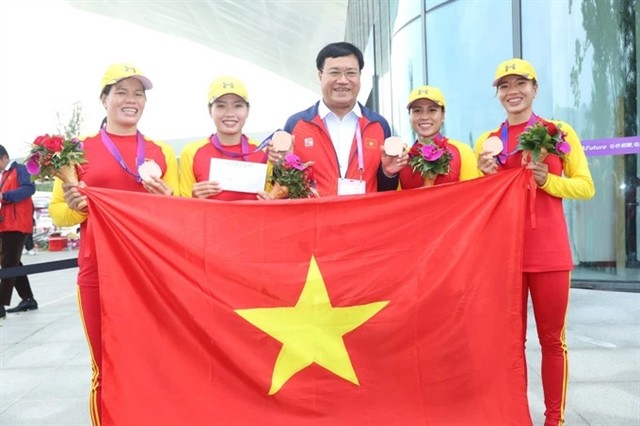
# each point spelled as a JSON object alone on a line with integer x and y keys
{"x": 423, "y": 92}
{"x": 130, "y": 68}
{"x": 510, "y": 67}
{"x": 228, "y": 85}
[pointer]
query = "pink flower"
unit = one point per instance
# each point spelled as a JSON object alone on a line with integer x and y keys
{"x": 33, "y": 165}
{"x": 292, "y": 160}
{"x": 563, "y": 147}
{"x": 431, "y": 152}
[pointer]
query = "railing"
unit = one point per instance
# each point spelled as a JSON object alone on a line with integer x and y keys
{"x": 38, "y": 268}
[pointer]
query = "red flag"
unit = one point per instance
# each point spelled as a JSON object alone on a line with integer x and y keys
{"x": 397, "y": 308}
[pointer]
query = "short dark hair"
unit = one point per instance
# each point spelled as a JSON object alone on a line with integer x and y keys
{"x": 3, "y": 151}
{"x": 338, "y": 50}
{"x": 106, "y": 89}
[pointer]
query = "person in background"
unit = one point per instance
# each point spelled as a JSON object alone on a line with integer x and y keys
{"x": 29, "y": 246}
{"x": 547, "y": 255}
{"x": 228, "y": 103}
{"x": 426, "y": 107}
{"x": 342, "y": 137}
{"x": 16, "y": 222}
{"x": 115, "y": 158}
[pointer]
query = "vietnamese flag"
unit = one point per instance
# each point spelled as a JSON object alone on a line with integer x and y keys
{"x": 397, "y": 308}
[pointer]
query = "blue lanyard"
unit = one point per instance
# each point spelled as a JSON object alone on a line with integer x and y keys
{"x": 113, "y": 150}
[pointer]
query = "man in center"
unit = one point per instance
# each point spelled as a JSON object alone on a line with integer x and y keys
{"x": 343, "y": 137}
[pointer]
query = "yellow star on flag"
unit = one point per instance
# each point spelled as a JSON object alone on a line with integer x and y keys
{"x": 311, "y": 331}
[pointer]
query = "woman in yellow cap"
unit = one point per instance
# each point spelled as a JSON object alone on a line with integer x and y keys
{"x": 426, "y": 107}
{"x": 118, "y": 157}
{"x": 229, "y": 109}
{"x": 547, "y": 257}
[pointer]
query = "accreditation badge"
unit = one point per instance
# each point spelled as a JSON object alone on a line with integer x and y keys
{"x": 351, "y": 186}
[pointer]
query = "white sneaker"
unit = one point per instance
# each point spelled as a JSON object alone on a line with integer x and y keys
{"x": 32, "y": 253}
{"x": 24, "y": 251}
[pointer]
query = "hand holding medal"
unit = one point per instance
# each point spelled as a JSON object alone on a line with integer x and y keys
{"x": 394, "y": 156}
{"x": 150, "y": 176}
{"x": 492, "y": 145}
{"x": 280, "y": 145}
{"x": 487, "y": 161}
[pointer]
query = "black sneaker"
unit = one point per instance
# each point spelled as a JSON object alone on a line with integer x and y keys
{"x": 25, "y": 305}
{"x": 3, "y": 313}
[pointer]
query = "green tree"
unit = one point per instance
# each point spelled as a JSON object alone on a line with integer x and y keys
{"x": 70, "y": 128}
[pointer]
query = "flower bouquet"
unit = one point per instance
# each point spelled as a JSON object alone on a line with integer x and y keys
{"x": 541, "y": 139}
{"x": 55, "y": 156}
{"x": 292, "y": 179}
{"x": 430, "y": 160}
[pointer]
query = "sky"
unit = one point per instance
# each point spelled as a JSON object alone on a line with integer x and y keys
{"x": 53, "y": 55}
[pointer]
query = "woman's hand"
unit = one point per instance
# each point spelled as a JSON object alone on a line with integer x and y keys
{"x": 206, "y": 189}
{"x": 155, "y": 185}
{"x": 540, "y": 172}
{"x": 263, "y": 195}
{"x": 487, "y": 163}
{"x": 276, "y": 157}
{"x": 72, "y": 196}
{"x": 392, "y": 164}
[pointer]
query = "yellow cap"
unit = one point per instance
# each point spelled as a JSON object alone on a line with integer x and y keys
{"x": 426, "y": 92}
{"x": 117, "y": 72}
{"x": 227, "y": 85}
{"x": 514, "y": 66}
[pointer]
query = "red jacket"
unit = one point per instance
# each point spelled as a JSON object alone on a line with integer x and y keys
{"x": 313, "y": 143}
{"x": 17, "y": 207}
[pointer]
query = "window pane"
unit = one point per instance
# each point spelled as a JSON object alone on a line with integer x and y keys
{"x": 462, "y": 59}
{"x": 587, "y": 76}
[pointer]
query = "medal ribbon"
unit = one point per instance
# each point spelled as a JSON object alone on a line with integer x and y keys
{"x": 113, "y": 150}
{"x": 504, "y": 137}
{"x": 244, "y": 146}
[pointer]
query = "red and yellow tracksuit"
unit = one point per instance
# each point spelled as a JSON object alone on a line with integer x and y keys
{"x": 547, "y": 257}
{"x": 463, "y": 166}
{"x": 102, "y": 171}
{"x": 195, "y": 162}
{"x": 313, "y": 143}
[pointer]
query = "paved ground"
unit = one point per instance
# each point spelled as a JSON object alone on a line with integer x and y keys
{"x": 44, "y": 360}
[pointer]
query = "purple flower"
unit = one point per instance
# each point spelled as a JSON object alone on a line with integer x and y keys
{"x": 78, "y": 142}
{"x": 293, "y": 160}
{"x": 563, "y": 147}
{"x": 431, "y": 152}
{"x": 33, "y": 167}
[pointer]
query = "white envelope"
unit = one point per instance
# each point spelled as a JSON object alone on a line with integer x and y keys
{"x": 239, "y": 176}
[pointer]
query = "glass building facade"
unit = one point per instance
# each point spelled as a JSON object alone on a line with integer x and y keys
{"x": 587, "y": 56}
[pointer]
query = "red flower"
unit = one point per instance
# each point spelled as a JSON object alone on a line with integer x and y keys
{"x": 54, "y": 144}
{"x": 551, "y": 128}
{"x": 40, "y": 140}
